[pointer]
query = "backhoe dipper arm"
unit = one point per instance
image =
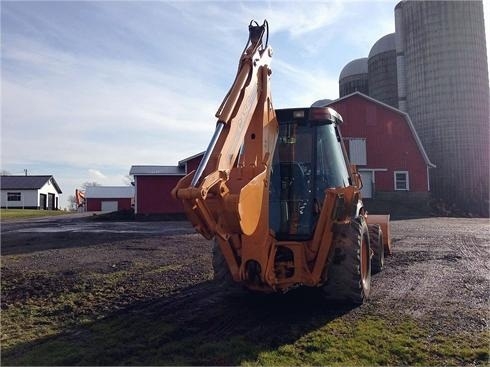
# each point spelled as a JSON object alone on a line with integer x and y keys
{"x": 228, "y": 192}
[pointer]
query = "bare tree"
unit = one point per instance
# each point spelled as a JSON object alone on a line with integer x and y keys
{"x": 72, "y": 202}
{"x": 5, "y": 173}
{"x": 128, "y": 180}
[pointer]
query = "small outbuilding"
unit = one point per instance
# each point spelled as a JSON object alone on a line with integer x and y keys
{"x": 109, "y": 198}
{"x": 29, "y": 192}
{"x": 154, "y": 185}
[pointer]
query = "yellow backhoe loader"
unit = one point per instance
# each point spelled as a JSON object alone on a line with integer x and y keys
{"x": 277, "y": 193}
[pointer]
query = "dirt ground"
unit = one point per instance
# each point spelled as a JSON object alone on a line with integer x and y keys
{"x": 439, "y": 275}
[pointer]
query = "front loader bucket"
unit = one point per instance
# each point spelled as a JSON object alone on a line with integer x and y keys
{"x": 384, "y": 221}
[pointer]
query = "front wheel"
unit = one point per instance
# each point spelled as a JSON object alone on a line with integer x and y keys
{"x": 376, "y": 243}
{"x": 348, "y": 268}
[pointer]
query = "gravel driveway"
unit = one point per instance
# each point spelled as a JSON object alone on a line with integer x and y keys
{"x": 439, "y": 275}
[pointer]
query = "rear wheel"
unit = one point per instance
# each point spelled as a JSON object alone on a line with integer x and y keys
{"x": 349, "y": 265}
{"x": 376, "y": 243}
{"x": 220, "y": 268}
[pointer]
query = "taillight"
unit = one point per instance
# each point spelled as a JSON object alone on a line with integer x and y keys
{"x": 325, "y": 114}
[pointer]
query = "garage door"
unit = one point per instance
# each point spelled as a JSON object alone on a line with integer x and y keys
{"x": 367, "y": 184}
{"x": 109, "y": 206}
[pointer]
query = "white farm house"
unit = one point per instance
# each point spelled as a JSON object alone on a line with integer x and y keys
{"x": 29, "y": 192}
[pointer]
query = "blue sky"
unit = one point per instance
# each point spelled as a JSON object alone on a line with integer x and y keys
{"x": 91, "y": 88}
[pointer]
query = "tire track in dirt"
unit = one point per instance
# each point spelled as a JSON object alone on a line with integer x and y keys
{"x": 439, "y": 273}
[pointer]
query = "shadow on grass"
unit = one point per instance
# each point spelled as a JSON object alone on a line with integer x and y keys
{"x": 200, "y": 325}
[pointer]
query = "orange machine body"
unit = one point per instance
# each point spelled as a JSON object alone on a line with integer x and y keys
{"x": 258, "y": 224}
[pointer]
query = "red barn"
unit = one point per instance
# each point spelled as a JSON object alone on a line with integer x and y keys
{"x": 381, "y": 140}
{"x": 154, "y": 185}
{"x": 109, "y": 198}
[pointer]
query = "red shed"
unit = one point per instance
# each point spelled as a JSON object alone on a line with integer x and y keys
{"x": 155, "y": 183}
{"x": 109, "y": 198}
{"x": 381, "y": 140}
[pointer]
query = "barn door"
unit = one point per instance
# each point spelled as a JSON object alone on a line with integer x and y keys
{"x": 51, "y": 203}
{"x": 367, "y": 184}
{"x": 42, "y": 201}
{"x": 109, "y": 206}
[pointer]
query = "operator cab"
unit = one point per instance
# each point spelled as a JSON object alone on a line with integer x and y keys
{"x": 309, "y": 158}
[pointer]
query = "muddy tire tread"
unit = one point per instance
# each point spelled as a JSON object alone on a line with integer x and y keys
{"x": 344, "y": 283}
{"x": 376, "y": 244}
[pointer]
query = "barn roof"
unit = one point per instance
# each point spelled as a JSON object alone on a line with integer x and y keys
{"x": 22, "y": 182}
{"x": 143, "y": 170}
{"x": 185, "y": 160}
{"x": 113, "y": 192}
{"x": 396, "y": 110}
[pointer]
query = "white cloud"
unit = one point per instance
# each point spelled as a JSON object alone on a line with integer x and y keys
{"x": 147, "y": 91}
{"x": 95, "y": 175}
{"x": 114, "y": 84}
{"x": 298, "y": 19}
{"x": 305, "y": 85}
{"x": 98, "y": 106}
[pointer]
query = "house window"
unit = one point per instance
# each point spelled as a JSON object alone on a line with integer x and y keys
{"x": 357, "y": 151}
{"x": 401, "y": 181}
{"x": 13, "y": 196}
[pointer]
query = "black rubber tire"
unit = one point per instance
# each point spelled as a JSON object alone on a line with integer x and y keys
{"x": 220, "y": 268}
{"x": 348, "y": 267}
{"x": 376, "y": 243}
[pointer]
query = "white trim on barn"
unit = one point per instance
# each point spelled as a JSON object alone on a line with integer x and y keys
{"x": 364, "y": 191}
{"x": 406, "y": 181}
{"x": 357, "y": 150}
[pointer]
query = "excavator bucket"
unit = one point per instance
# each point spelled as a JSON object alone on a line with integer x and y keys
{"x": 384, "y": 221}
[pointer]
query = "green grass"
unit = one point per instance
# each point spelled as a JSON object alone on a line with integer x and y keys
{"x": 29, "y": 213}
{"x": 85, "y": 321}
{"x": 373, "y": 341}
{"x": 82, "y": 325}
{"x": 147, "y": 338}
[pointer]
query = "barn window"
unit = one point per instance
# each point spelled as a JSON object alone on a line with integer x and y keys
{"x": 357, "y": 151}
{"x": 13, "y": 196}
{"x": 401, "y": 181}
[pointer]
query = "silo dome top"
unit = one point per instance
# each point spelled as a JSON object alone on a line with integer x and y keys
{"x": 385, "y": 43}
{"x": 321, "y": 103}
{"x": 357, "y": 66}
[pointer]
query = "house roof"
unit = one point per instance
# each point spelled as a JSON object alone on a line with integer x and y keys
{"x": 99, "y": 192}
{"x": 22, "y": 182}
{"x": 396, "y": 110}
{"x": 157, "y": 170}
{"x": 149, "y": 170}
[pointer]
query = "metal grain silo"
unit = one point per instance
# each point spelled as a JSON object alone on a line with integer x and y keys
{"x": 382, "y": 72}
{"x": 354, "y": 77}
{"x": 442, "y": 67}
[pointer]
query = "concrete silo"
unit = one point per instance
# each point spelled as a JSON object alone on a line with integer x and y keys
{"x": 354, "y": 77}
{"x": 443, "y": 85}
{"x": 382, "y": 72}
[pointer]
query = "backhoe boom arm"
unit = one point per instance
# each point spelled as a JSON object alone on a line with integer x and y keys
{"x": 234, "y": 171}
